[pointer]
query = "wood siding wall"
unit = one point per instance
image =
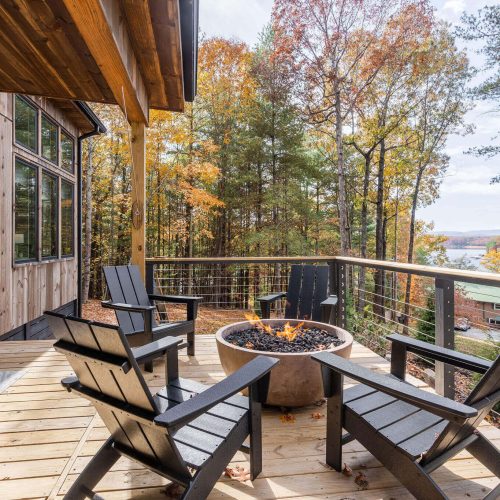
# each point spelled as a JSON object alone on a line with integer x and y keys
{"x": 28, "y": 289}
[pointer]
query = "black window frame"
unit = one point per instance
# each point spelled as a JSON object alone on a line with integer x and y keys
{"x": 56, "y": 125}
{"x": 72, "y": 184}
{"x": 36, "y": 258}
{"x": 33, "y": 106}
{"x": 63, "y": 132}
{"x": 56, "y": 178}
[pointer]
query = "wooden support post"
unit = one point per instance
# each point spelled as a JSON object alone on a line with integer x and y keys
{"x": 445, "y": 334}
{"x": 138, "y": 179}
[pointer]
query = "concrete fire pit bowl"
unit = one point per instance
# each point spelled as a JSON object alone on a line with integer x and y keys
{"x": 296, "y": 380}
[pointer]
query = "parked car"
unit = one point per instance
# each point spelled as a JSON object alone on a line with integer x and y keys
{"x": 462, "y": 324}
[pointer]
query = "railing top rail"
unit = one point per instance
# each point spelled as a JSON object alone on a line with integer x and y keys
{"x": 466, "y": 276}
{"x": 479, "y": 277}
{"x": 233, "y": 260}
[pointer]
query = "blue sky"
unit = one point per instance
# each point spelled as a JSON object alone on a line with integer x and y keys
{"x": 467, "y": 199}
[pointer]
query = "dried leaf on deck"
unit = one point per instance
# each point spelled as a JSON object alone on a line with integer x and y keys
{"x": 239, "y": 473}
{"x": 321, "y": 402}
{"x": 287, "y": 418}
{"x": 361, "y": 480}
{"x": 317, "y": 415}
{"x": 347, "y": 471}
{"x": 173, "y": 491}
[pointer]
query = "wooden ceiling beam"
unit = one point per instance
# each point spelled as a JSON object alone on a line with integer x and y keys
{"x": 138, "y": 16}
{"x": 103, "y": 28}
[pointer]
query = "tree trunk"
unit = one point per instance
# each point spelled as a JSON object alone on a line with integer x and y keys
{"x": 88, "y": 222}
{"x": 345, "y": 244}
{"x": 411, "y": 245}
{"x": 378, "y": 307}
{"x": 364, "y": 234}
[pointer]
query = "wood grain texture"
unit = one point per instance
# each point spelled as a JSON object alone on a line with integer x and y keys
{"x": 293, "y": 465}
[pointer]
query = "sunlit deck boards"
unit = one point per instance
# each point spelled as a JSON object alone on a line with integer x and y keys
{"x": 47, "y": 436}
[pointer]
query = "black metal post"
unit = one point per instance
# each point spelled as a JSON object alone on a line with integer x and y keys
{"x": 445, "y": 334}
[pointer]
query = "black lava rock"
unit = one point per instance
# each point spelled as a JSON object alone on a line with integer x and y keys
{"x": 307, "y": 340}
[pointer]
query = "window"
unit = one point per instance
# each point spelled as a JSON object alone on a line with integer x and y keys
{"x": 493, "y": 321}
{"x": 25, "y": 212}
{"x": 67, "y": 153}
{"x": 49, "y": 139}
{"x": 26, "y": 124}
{"x": 67, "y": 236}
{"x": 496, "y": 307}
{"x": 49, "y": 215}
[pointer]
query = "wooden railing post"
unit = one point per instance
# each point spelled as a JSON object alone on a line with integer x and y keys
{"x": 445, "y": 334}
{"x": 150, "y": 277}
{"x": 338, "y": 288}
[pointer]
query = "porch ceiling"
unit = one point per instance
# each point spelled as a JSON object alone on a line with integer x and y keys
{"x": 107, "y": 51}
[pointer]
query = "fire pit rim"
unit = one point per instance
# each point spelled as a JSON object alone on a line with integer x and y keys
{"x": 348, "y": 338}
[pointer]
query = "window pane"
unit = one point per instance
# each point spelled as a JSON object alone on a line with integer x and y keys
{"x": 26, "y": 124}
{"x": 49, "y": 216}
{"x": 49, "y": 140}
{"x": 25, "y": 215}
{"x": 67, "y": 237}
{"x": 66, "y": 152}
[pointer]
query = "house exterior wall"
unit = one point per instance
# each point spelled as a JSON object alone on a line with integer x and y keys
{"x": 27, "y": 289}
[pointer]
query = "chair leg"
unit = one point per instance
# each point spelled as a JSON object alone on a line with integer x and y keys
{"x": 486, "y": 452}
{"x": 190, "y": 341}
{"x": 255, "y": 440}
{"x": 103, "y": 460}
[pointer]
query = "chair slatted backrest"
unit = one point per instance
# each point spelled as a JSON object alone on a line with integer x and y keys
{"x": 109, "y": 376}
{"x": 454, "y": 433}
{"x": 307, "y": 288}
{"x": 125, "y": 286}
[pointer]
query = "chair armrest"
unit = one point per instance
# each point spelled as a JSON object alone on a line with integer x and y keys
{"x": 246, "y": 376}
{"x": 433, "y": 403}
{"x": 191, "y": 302}
{"x": 153, "y": 350}
{"x": 118, "y": 306}
{"x": 266, "y": 301}
{"x": 332, "y": 300}
{"x": 273, "y": 297}
{"x": 443, "y": 354}
{"x": 146, "y": 311}
{"x": 327, "y": 308}
{"x": 178, "y": 299}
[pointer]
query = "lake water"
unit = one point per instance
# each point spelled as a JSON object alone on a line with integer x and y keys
{"x": 473, "y": 254}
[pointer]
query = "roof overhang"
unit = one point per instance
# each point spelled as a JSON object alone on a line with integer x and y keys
{"x": 139, "y": 54}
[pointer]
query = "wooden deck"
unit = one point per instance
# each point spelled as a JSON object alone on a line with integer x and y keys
{"x": 47, "y": 436}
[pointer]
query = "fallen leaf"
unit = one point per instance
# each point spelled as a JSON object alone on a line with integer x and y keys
{"x": 317, "y": 415}
{"x": 238, "y": 473}
{"x": 249, "y": 345}
{"x": 347, "y": 471}
{"x": 361, "y": 480}
{"x": 173, "y": 491}
{"x": 287, "y": 418}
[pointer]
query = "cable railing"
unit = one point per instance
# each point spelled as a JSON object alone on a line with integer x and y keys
{"x": 425, "y": 302}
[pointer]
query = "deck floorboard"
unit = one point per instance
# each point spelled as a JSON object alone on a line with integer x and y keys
{"x": 47, "y": 436}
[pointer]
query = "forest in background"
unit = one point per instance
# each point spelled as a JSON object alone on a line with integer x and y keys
{"x": 324, "y": 138}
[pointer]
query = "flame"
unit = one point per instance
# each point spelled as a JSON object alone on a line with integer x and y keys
{"x": 255, "y": 320}
{"x": 288, "y": 332}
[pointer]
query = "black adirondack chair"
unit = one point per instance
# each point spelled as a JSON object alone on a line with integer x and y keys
{"x": 187, "y": 432}
{"x": 306, "y": 297}
{"x": 135, "y": 309}
{"x": 410, "y": 431}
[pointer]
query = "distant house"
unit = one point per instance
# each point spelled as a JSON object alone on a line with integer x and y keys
{"x": 487, "y": 301}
